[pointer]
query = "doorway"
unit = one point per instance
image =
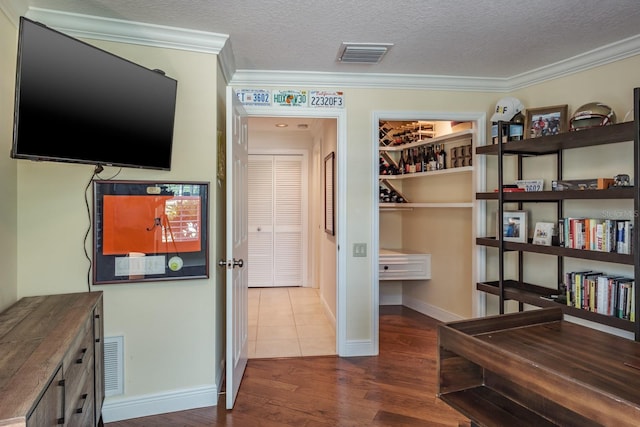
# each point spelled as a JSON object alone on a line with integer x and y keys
{"x": 296, "y": 319}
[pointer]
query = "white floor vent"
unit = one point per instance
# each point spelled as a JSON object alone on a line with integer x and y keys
{"x": 113, "y": 365}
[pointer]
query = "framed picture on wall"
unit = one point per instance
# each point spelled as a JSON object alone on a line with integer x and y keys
{"x": 149, "y": 231}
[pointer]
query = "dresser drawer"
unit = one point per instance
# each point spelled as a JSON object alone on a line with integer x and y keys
{"x": 78, "y": 368}
{"x": 80, "y": 406}
{"x": 398, "y": 265}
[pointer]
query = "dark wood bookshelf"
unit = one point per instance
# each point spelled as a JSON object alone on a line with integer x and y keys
{"x": 558, "y": 251}
{"x": 552, "y": 144}
{"x": 556, "y": 196}
{"x": 541, "y": 296}
{"x": 557, "y": 146}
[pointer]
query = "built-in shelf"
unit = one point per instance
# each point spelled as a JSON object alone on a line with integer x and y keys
{"x": 445, "y": 139}
{"x": 425, "y": 205}
{"x": 462, "y": 169}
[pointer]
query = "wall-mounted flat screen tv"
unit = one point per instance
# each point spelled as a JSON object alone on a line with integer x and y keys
{"x": 78, "y": 103}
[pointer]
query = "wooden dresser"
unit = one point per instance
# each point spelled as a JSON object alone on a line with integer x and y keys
{"x": 51, "y": 361}
{"x": 536, "y": 369}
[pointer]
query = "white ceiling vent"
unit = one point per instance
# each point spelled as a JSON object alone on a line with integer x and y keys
{"x": 363, "y": 53}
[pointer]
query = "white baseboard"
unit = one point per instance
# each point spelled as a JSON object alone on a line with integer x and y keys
{"x": 430, "y": 310}
{"x": 390, "y": 299}
{"x": 328, "y": 312}
{"x": 160, "y": 403}
{"x": 359, "y": 348}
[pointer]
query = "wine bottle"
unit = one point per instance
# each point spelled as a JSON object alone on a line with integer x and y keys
{"x": 433, "y": 162}
{"x": 417, "y": 159}
{"x": 401, "y": 165}
{"x": 442, "y": 158}
{"x": 412, "y": 163}
{"x": 424, "y": 160}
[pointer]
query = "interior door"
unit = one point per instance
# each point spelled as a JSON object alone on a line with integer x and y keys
{"x": 275, "y": 220}
{"x": 237, "y": 245}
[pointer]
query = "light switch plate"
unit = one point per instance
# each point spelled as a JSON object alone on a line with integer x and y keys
{"x": 359, "y": 249}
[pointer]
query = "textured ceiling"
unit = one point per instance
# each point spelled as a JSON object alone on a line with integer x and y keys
{"x": 478, "y": 38}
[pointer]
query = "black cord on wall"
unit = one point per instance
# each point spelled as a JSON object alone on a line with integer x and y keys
{"x": 95, "y": 174}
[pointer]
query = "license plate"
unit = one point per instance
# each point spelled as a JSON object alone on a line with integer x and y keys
{"x": 254, "y": 97}
{"x": 290, "y": 98}
{"x": 325, "y": 99}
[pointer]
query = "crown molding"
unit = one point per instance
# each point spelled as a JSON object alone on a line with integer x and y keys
{"x": 381, "y": 81}
{"x": 92, "y": 27}
{"x": 117, "y": 30}
{"x": 603, "y": 55}
{"x": 13, "y": 9}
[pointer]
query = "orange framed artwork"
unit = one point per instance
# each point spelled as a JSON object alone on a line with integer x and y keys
{"x": 146, "y": 231}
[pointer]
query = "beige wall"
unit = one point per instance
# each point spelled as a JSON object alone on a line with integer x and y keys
{"x": 8, "y": 167}
{"x": 169, "y": 328}
{"x": 328, "y": 245}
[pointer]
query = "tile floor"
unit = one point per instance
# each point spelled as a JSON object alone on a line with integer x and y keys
{"x": 288, "y": 322}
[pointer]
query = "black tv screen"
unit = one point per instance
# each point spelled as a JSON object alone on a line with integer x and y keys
{"x": 78, "y": 103}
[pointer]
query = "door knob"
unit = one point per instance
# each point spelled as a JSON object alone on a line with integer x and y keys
{"x": 238, "y": 263}
{"x": 222, "y": 263}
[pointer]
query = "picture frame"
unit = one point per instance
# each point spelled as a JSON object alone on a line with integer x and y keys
{"x": 545, "y": 121}
{"x": 543, "y": 233}
{"x": 149, "y": 231}
{"x": 514, "y": 226}
{"x": 329, "y": 194}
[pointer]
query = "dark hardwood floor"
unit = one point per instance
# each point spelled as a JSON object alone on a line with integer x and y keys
{"x": 395, "y": 388}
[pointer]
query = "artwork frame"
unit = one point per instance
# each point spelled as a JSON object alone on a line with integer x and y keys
{"x": 149, "y": 231}
{"x": 514, "y": 226}
{"x": 543, "y": 233}
{"x": 546, "y": 121}
{"x": 329, "y": 194}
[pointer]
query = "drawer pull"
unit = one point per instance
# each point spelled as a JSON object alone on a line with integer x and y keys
{"x": 97, "y": 339}
{"x": 82, "y": 353}
{"x": 84, "y": 400}
{"x": 386, "y": 267}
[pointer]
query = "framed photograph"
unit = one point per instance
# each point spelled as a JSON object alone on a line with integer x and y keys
{"x": 543, "y": 233}
{"x": 545, "y": 121}
{"x": 329, "y": 194}
{"x": 149, "y": 231}
{"x": 514, "y": 226}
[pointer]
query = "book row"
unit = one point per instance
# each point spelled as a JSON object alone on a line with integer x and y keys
{"x": 604, "y": 235}
{"x": 601, "y": 293}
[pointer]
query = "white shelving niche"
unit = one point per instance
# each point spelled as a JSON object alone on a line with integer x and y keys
{"x": 428, "y": 210}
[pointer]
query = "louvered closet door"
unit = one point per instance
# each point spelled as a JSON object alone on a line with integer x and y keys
{"x": 275, "y": 220}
